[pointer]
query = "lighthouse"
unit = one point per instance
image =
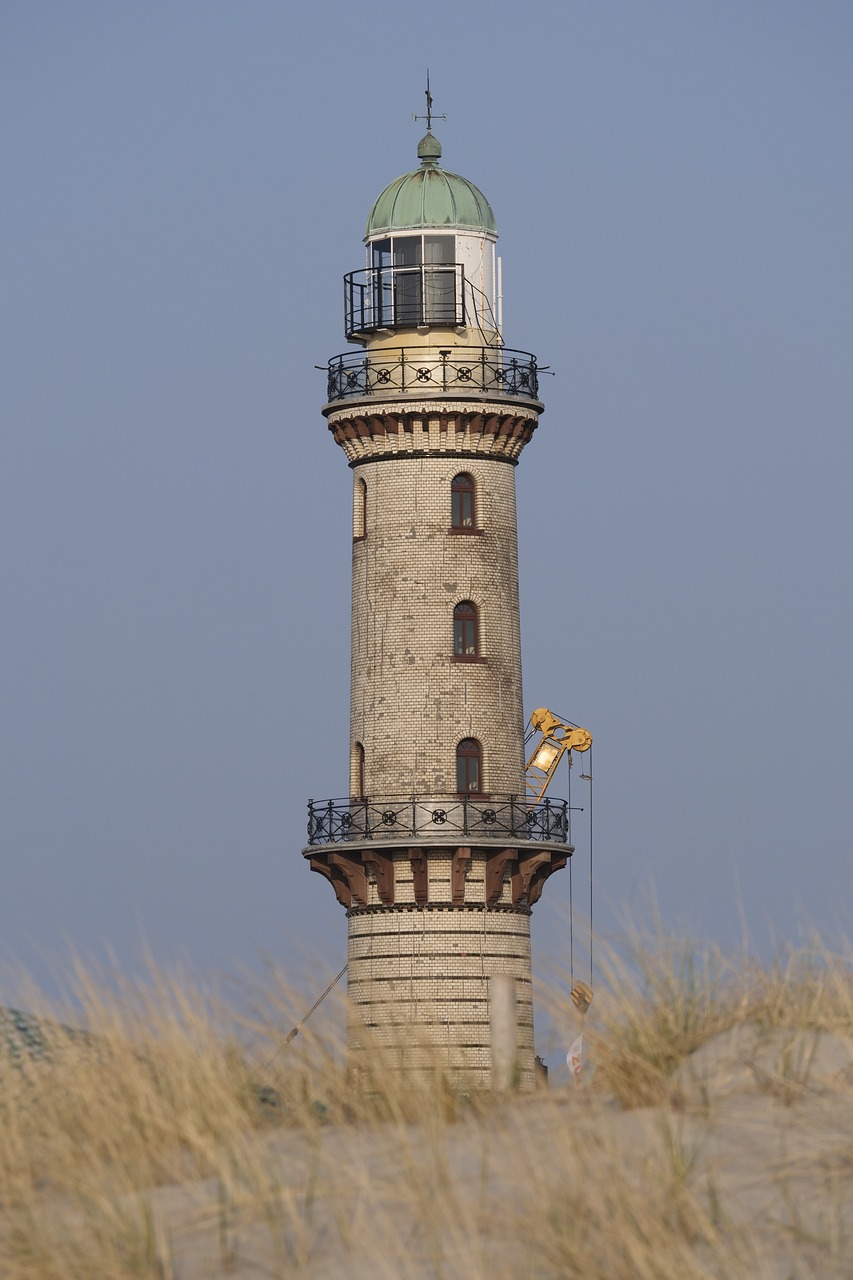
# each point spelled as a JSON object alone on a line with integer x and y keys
{"x": 438, "y": 851}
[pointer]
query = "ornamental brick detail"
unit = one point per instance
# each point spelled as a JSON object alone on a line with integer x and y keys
{"x": 461, "y": 876}
{"x": 490, "y": 431}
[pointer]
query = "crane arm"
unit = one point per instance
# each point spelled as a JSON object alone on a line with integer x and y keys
{"x": 557, "y": 738}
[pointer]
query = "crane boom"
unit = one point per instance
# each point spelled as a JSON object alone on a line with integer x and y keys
{"x": 558, "y": 737}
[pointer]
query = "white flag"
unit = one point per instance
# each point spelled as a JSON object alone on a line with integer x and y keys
{"x": 574, "y": 1057}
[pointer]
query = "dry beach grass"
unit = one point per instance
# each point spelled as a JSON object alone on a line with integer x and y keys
{"x": 712, "y": 1137}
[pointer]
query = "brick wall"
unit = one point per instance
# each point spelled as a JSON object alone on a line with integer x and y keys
{"x": 419, "y": 989}
{"x": 411, "y": 700}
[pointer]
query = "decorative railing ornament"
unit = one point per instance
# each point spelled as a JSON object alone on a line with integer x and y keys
{"x": 394, "y": 817}
{"x": 402, "y": 371}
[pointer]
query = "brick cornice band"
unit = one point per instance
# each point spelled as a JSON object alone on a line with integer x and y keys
{"x": 368, "y": 878}
{"x": 486, "y": 430}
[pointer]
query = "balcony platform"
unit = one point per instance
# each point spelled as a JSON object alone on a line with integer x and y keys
{"x": 412, "y": 852}
{"x": 438, "y": 819}
{"x": 425, "y": 372}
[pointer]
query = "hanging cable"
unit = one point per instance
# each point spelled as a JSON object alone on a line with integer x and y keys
{"x": 571, "y": 892}
{"x": 591, "y": 776}
{"x": 571, "y": 929}
{"x": 581, "y": 993}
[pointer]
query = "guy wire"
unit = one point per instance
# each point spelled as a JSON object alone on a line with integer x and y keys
{"x": 294, "y": 1032}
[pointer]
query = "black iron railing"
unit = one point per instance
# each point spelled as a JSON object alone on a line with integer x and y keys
{"x": 442, "y": 817}
{"x": 404, "y": 297}
{"x": 396, "y": 371}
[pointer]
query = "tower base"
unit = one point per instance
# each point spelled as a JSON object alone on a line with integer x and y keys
{"x": 439, "y": 966}
{"x": 422, "y": 995}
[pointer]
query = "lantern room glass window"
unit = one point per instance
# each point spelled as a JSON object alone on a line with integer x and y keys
{"x": 469, "y": 760}
{"x": 462, "y": 502}
{"x": 412, "y": 251}
{"x": 465, "y": 628}
{"x": 415, "y": 280}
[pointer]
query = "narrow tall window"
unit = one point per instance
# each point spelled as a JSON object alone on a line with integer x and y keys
{"x": 462, "y": 513}
{"x": 468, "y": 766}
{"x": 465, "y": 638}
{"x": 357, "y": 780}
{"x": 408, "y": 280}
{"x": 439, "y": 280}
{"x": 359, "y": 509}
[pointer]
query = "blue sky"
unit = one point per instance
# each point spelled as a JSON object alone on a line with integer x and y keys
{"x": 186, "y": 183}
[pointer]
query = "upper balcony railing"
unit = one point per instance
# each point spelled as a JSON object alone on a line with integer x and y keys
{"x": 406, "y": 371}
{"x": 404, "y": 298}
{"x": 442, "y": 818}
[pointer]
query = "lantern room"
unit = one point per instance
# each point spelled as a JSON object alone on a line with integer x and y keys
{"x": 431, "y": 259}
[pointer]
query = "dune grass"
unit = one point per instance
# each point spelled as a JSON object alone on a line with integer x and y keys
{"x": 184, "y": 1139}
{"x": 662, "y": 998}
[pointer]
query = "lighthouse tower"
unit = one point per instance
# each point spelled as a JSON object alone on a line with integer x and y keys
{"x": 436, "y": 852}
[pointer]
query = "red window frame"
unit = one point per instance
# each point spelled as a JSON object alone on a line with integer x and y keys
{"x": 466, "y": 631}
{"x": 469, "y": 767}
{"x": 360, "y": 510}
{"x": 358, "y": 761}
{"x": 463, "y": 504}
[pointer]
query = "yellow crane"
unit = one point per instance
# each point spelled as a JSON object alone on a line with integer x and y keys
{"x": 558, "y": 737}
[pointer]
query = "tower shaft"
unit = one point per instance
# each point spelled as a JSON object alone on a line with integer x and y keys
{"x": 413, "y": 697}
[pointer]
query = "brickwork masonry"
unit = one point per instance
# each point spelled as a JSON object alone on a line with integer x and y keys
{"x": 411, "y": 699}
{"x": 418, "y": 984}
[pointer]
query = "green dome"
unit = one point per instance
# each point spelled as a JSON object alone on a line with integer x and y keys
{"x": 431, "y": 197}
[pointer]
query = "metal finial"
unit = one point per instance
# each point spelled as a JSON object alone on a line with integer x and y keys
{"x": 429, "y": 117}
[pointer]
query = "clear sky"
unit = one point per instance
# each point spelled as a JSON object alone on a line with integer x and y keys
{"x": 185, "y": 183}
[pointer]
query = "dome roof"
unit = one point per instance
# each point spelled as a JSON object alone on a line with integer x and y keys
{"x": 431, "y": 197}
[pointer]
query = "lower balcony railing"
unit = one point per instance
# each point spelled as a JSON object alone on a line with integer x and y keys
{"x": 405, "y": 371}
{"x": 400, "y": 817}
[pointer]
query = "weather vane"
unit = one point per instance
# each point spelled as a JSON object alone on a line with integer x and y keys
{"x": 429, "y": 117}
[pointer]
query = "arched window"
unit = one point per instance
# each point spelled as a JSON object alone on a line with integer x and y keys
{"x": 359, "y": 509}
{"x": 462, "y": 509}
{"x": 357, "y": 780}
{"x": 469, "y": 767}
{"x": 466, "y": 641}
